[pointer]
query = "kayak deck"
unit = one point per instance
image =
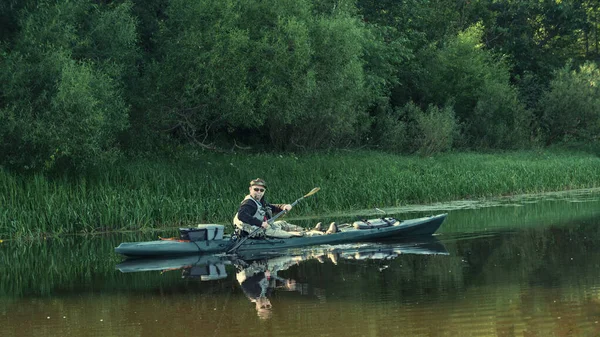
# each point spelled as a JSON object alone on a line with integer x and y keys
{"x": 407, "y": 228}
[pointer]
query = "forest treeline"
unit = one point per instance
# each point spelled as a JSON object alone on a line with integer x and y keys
{"x": 86, "y": 82}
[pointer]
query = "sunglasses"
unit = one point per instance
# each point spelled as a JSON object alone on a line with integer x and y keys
{"x": 258, "y": 189}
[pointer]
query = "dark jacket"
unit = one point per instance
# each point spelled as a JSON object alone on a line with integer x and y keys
{"x": 253, "y": 287}
{"x": 248, "y": 208}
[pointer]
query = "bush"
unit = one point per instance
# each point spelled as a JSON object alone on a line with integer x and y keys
{"x": 499, "y": 119}
{"x": 62, "y": 100}
{"x": 268, "y": 72}
{"x": 430, "y": 131}
{"x": 73, "y": 123}
{"x": 486, "y": 105}
{"x": 437, "y": 129}
{"x": 570, "y": 109}
{"x": 389, "y": 133}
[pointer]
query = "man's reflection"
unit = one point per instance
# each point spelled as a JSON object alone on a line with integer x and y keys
{"x": 258, "y": 279}
{"x": 255, "y": 284}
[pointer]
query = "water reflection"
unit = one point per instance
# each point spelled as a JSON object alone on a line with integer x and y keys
{"x": 259, "y": 278}
{"x": 258, "y": 274}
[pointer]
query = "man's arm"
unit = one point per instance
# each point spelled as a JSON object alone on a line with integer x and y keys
{"x": 246, "y": 213}
{"x": 276, "y": 208}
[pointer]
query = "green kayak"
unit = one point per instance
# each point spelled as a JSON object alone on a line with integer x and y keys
{"x": 210, "y": 267}
{"x": 209, "y": 239}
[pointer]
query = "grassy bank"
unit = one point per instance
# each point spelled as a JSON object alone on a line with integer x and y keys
{"x": 164, "y": 194}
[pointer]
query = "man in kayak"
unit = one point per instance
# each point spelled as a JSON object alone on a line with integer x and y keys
{"x": 254, "y": 212}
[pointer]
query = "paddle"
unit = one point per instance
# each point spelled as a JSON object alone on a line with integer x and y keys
{"x": 270, "y": 221}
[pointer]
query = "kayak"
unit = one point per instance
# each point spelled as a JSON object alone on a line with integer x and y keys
{"x": 213, "y": 243}
{"x": 208, "y": 239}
{"x": 212, "y": 267}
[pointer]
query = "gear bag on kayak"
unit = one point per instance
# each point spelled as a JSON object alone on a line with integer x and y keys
{"x": 202, "y": 233}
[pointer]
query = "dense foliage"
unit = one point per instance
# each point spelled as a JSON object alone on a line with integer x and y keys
{"x": 83, "y": 81}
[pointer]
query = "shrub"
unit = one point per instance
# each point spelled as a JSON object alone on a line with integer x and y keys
{"x": 389, "y": 133}
{"x": 499, "y": 119}
{"x": 62, "y": 88}
{"x": 486, "y": 104}
{"x": 570, "y": 109}
{"x": 430, "y": 131}
{"x": 437, "y": 129}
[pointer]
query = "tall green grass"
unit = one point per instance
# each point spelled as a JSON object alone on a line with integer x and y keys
{"x": 207, "y": 188}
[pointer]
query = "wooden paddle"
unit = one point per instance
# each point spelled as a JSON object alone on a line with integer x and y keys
{"x": 270, "y": 221}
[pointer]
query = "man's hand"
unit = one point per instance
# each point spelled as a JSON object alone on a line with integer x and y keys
{"x": 287, "y": 207}
{"x": 265, "y": 225}
{"x": 255, "y": 232}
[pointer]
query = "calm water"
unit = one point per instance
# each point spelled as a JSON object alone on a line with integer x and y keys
{"x": 514, "y": 267}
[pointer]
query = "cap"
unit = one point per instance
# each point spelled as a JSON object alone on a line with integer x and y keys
{"x": 258, "y": 182}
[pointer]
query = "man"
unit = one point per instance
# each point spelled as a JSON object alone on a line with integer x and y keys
{"x": 254, "y": 212}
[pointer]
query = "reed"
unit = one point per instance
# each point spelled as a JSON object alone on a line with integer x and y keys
{"x": 207, "y": 188}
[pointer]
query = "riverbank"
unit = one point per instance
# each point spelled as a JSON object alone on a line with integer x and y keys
{"x": 207, "y": 188}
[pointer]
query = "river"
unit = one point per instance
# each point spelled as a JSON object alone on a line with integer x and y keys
{"x": 520, "y": 266}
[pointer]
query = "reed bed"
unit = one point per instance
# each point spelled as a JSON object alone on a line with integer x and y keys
{"x": 207, "y": 188}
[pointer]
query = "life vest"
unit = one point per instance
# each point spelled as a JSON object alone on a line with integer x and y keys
{"x": 260, "y": 214}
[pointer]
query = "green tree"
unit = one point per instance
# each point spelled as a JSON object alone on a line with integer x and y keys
{"x": 280, "y": 73}
{"x": 437, "y": 129}
{"x": 413, "y": 25}
{"x": 570, "y": 109}
{"x": 591, "y": 40}
{"x": 540, "y": 36}
{"x": 537, "y": 37}
{"x": 197, "y": 84}
{"x": 9, "y": 17}
{"x": 421, "y": 22}
{"x": 486, "y": 106}
{"x": 62, "y": 85}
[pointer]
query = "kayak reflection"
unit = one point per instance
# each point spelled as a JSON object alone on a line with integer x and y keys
{"x": 257, "y": 274}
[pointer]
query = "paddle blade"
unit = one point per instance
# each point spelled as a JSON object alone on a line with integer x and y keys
{"x": 313, "y": 191}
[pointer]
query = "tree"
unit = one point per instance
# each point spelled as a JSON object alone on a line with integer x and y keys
{"x": 281, "y": 73}
{"x": 537, "y": 37}
{"x": 571, "y": 108}
{"x": 478, "y": 82}
{"x": 62, "y": 85}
